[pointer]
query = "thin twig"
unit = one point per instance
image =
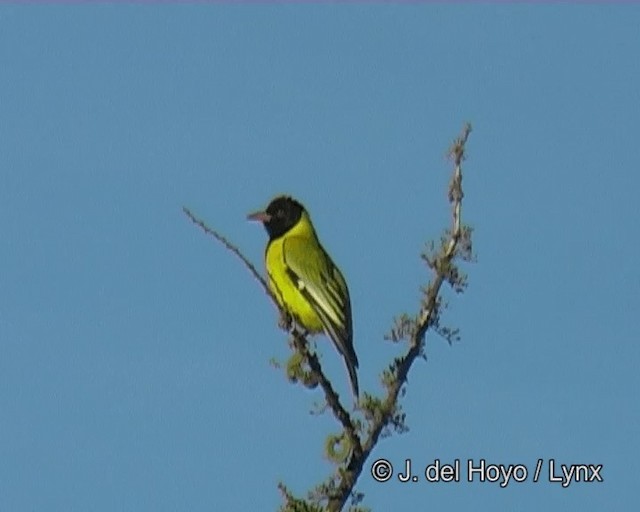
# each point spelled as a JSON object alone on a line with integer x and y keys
{"x": 233, "y": 248}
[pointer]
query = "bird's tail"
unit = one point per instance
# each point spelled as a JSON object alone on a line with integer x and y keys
{"x": 344, "y": 343}
{"x": 353, "y": 376}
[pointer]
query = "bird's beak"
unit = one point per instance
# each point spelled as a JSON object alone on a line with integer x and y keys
{"x": 259, "y": 216}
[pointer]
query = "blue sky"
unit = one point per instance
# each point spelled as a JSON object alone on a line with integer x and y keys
{"x": 134, "y": 351}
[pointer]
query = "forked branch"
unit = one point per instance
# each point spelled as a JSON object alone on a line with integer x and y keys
{"x": 457, "y": 243}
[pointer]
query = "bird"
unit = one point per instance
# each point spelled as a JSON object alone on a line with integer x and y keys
{"x": 304, "y": 280}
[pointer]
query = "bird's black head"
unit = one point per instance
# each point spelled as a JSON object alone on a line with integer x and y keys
{"x": 280, "y": 216}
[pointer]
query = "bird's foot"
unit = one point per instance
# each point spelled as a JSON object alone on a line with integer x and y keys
{"x": 285, "y": 321}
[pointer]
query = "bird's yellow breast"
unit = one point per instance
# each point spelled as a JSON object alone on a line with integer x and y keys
{"x": 287, "y": 292}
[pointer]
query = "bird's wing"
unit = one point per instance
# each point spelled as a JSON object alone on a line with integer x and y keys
{"x": 320, "y": 281}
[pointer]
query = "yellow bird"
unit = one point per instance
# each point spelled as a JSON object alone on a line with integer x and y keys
{"x": 304, "y": 280}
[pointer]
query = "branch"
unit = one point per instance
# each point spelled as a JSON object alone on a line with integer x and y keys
{"x": 330, "y": 395}
{"x": 299, "y": 341}
{"x": 428, "y": 313}
{"x": 233, "y": 248}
